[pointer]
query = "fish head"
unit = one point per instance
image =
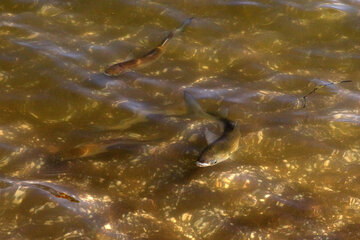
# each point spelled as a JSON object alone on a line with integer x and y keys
{"x": 210, "y": 158}
{"x": 220, "y": 150}
{"x": 206, "y": 164}
{"x": 115, "y": 70}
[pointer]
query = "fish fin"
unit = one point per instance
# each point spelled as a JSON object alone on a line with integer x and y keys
{"x": 129, "y": 57}
{"x": 192, "y": 105}
{"x": 175, "y": 32}
{"x": 210, "y": 136}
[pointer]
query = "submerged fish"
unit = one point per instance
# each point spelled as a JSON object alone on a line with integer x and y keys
{"x": 219, "y": 148}
{"x": 222, "y": 148}
{"x": 54, "y": 192}
{"x": 43, "y": 187}
{"x": 91, "y": 149}
{"x": 119, "y": 68}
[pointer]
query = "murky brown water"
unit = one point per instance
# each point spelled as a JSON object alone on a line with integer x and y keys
{"x": 296, "y": 174}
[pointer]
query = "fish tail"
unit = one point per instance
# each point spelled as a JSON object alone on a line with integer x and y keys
{"x": 183, "y": 26}
{"x": 176, "y": 32}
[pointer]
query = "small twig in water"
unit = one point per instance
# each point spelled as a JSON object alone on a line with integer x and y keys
{"x": 321, "y": 86}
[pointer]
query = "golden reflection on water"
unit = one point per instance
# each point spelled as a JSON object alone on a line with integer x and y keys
{"x": 125, "y": 148}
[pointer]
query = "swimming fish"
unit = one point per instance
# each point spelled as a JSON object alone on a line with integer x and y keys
{"x": 94, "y": 148}
{"x": 118, "y": 68}
{"x": 220, "y": 148}
{"x": 43, "y": 187}
{"x": 55, "y": 192}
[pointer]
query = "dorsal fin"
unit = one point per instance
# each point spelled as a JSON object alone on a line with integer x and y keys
{"x": 210, "y": 136}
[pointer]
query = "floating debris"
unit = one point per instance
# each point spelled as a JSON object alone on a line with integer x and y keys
{"x": 319, "y": 87}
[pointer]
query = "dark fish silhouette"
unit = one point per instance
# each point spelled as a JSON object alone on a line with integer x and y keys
{"x": 119, "y": 68}
{"x": 219, "y": 148}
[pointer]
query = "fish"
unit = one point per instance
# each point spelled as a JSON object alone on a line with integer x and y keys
{"x": 118, "y": 68}
{"x": 43, "y": 187}
{"x": 221, "y": 148}
{"x": 95, "y": 148}
{"x": 55, "y": 192}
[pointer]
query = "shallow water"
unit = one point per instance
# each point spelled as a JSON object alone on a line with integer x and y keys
{"x": 295, "y": 176}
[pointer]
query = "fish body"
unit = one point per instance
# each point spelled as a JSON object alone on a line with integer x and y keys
{"x": 43, "y": 187}
{"x": 221, "y": 148}
{"x": 91, "y": 149}
{"x": 118, "y": 68}
{"x": 55, "y": 192}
